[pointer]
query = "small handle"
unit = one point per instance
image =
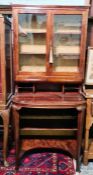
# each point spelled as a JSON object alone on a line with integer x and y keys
{"x": 51, "y": 55}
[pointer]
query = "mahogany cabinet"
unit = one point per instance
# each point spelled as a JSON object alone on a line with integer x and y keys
{"x": 49, "y": 60}
{"x": 49, "y": 43}
{"x": 5, "y": 77}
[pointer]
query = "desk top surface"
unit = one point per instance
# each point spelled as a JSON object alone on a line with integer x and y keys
{"x": 48, "y": 99}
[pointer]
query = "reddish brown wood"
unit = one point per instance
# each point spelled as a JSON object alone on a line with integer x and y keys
{"x": 79, "y": 135}
{"x": 88, "y": 148}
{"x": 5, "y": 117}
{"x": 48, "y": 99}
{"x": 54, "y": 76}
{"x": 5, "y": 79}
{"x": 50, "y": 143}
{"x": 6, "y": 90}
{"x": 16, "y": 130}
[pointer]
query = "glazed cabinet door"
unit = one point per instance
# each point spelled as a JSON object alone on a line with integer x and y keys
{"x": 68, "y": 44}
{"x": 30, "y": 43}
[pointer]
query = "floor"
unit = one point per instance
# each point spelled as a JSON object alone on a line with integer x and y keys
{"x": 87, "y": 170}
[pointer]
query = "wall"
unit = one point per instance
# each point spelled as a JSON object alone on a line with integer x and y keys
{"x": 44, "y": 2}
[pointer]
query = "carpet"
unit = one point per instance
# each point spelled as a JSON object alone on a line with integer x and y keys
{"x": 36, "y": 162}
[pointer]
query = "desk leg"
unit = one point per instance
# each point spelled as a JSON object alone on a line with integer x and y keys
{"x": 79, "y": 135}
{"x": 5, "y": 117}
{"x": 15, "y": 112}
{"x": 85, "y": 159}
{"x": 89, "y": 122}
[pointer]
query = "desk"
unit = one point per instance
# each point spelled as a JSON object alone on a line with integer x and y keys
{"x": 4, "y": 114}
{"x": 88, "y": 150}
{"x": 49, "y": 100}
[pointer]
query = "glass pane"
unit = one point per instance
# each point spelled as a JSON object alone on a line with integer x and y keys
{"x": 8, "y": 59}
{"x": 32, "y": 42}
{"x": 66, "y": 43}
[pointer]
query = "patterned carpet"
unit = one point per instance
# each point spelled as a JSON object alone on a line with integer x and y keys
{"x": 44, "y": 163}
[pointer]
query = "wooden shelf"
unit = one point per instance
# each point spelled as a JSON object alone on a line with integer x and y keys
{"x": 59, "y": 31}
{"x": 46, "y": 117}
{"x": 25, "y": 30}
{"x": 32, "y": 49}
{"x": 48, "y": 131}
{"x": 66, "y": 69}
{"x": 41, "y": 49}
{"x": 68, "y": 58}
{"x": 33, "y": 68}
{"x": 74, "y": 50}
{"x": 68, "y": 31}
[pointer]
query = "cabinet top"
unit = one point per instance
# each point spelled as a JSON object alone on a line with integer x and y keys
{"x": 48, "y": 6}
